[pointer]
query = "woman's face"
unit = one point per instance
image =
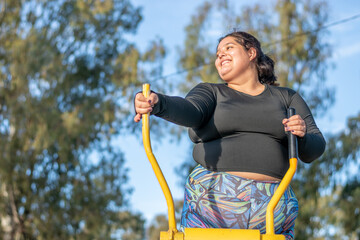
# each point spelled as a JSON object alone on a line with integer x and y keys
{"x": 232, "y": 59}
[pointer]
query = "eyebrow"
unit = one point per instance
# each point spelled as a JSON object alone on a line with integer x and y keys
{"x": 228, "y": 43}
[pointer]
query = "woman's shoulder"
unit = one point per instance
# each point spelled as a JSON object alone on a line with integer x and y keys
{"x": 210, "y": 85}
{"x": 283, "y": 90}
{"x": 206, "y": 86}
{"x": 204, "y": 89}
{"x": 285, "y": 93}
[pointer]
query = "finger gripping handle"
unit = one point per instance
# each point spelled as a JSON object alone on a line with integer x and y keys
{"x": 292, "y": 140}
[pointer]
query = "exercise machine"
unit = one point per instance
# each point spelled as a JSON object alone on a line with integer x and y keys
{"x": 218, "y": 233}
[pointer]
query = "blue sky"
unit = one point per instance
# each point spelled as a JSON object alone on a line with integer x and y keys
{"x": 167, "y": 19}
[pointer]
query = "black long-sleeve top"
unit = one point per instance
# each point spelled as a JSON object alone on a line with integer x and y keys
{"x": 234, "y": 131}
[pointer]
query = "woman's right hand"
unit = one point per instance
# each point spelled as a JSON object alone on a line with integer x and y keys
{"x": 144, "y": 105}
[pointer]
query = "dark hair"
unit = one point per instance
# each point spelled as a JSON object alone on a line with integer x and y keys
{"x": 264, "y": 64}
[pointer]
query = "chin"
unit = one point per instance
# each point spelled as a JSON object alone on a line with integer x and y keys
{"x": 225, "y": 77}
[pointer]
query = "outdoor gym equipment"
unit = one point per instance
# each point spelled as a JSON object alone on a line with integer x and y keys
{"x": 218, "y": 233}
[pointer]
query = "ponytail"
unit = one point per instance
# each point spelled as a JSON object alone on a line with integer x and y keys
{"x": 265, "y": 68}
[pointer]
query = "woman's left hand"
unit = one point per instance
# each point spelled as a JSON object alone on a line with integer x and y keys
{"x": 296, "y": 125}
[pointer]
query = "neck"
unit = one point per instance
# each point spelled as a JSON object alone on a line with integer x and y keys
{"x": 247, "y": 83}
{"x": 251, "y": 89}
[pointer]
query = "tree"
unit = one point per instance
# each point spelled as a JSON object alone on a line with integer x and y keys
{"x": 335, "y": 195}
{"x": 67, "y": 73}
{"x": 160, "y": 223}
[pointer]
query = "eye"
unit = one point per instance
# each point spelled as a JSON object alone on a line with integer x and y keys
{"x": 229, "y": 47}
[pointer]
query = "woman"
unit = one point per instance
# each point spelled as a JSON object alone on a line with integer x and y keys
{"x": 239, "y": 130}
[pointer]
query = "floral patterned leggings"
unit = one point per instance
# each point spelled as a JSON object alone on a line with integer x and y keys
{"x": 222, "y": 200}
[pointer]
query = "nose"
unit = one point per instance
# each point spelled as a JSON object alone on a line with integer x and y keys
{"x": 221, "y": 54}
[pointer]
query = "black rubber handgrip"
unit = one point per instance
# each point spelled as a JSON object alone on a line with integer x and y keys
{"x": 292, "y": 140}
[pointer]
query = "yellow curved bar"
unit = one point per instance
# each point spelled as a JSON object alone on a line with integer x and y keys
{"x": 277, "y": 195}
{"x": 156, "y": 168}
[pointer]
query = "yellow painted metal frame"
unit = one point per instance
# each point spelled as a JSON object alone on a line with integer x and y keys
{"x": 211, "y": 233}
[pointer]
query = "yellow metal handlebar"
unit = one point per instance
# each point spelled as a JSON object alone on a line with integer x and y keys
{"x": 277, "y": 195}
{"x": 156, "y": 168}
{"x": 209, "y": 234}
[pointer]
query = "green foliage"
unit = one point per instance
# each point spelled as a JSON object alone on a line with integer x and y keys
{"x": 328, "y": 188}
{"x": 196, "y": 53}
{"x": 349, "y": 204}
{"x": 160, "y": 223}
{"x": 67, "y": 73}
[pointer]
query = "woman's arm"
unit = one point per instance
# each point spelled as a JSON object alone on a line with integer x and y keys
{"x": 192, "y": 111}
{"x": 312, "y": 143}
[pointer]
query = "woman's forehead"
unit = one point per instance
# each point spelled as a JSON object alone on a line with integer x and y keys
{"x": 226, "y": 41}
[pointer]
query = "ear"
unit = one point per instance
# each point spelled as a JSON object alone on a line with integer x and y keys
{"x": 252, "y": 53}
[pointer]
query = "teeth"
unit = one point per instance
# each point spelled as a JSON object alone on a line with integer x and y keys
{"x": 225, "y": 62}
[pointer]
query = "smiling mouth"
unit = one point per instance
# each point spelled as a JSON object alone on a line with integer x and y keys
{"x": 225, "y": 62}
